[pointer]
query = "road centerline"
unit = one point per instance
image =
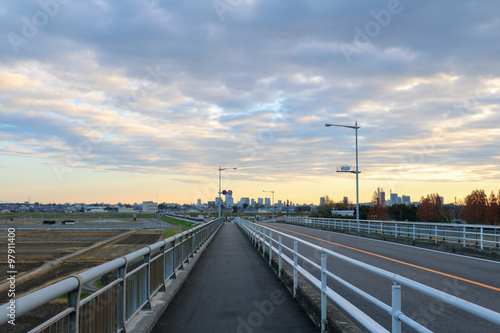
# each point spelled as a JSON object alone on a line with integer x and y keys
{"x": 395, "y": 260}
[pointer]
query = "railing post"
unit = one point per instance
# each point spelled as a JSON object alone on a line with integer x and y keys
{"x": 414, "y": 226}
{"x": 74, "y": 302}
{"x": 436, "y": 233}
{"x": 122, "y": 298}
{"x": 280, "y": 253}
{"x": 465, "y": 237}
{"x": 295, "y": 257}
{"x": 195, "y": 245}
{"x": 258, "y": 239}
{"x": 369, "y": 227}
{"x": 147, "y": 280}
{"x": 163, "y": 268}
{"x": 172, "y": 257}
{"x": 396, "y": 308}
{"x": 270, "y": 246}
{"x": 323, "y": 293}
{"x": 181, "y": 249}
{"x": 395, "y": 230}
{"x": 263, "y": 242}
{"x": 481, "y": 230}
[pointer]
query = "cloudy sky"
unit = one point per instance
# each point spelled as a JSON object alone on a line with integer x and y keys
{"x": 125, "y": 101}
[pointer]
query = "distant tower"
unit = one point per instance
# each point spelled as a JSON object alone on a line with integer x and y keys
{"x": 229, "y": 200}
{"x": 322, "y": 201}
{"x": 381, "y": 197}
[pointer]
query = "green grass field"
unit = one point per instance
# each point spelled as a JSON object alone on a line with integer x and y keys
{"x": 171, "y": 220}
{"x": 169, "y": 232}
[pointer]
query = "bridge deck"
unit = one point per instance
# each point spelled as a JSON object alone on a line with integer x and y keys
{"x": 232, "y": 289}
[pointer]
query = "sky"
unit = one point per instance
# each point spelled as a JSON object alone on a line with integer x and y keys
{"x": 128, "y": 101}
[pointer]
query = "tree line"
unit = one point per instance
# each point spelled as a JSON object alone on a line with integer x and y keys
{"x": 475, "y": 208}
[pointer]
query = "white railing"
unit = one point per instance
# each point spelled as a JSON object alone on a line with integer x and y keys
{"x": 467, "y": 235}
{"x": 262, "y": 237}
{"x": 139, "y": 276}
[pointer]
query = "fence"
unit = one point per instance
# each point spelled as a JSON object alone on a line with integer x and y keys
{"x": 138, "y": 277}
{"x": 262, "y": 237}
{"x": 482, "y": 236}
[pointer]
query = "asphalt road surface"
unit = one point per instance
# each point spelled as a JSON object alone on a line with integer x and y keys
{"x": 231, "y": 289}
{"x": 473, "y": 279}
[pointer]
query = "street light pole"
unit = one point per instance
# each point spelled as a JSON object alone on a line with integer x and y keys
{"x": 273, "y": 200}
{"x": 220, "y": 192}
{"x": 355, "y": 127}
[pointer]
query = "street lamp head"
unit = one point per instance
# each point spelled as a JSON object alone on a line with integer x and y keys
{"x": 222, "y": 169}
{"x": 347, "y": 126}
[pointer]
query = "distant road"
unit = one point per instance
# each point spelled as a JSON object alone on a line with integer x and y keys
{"x": 144, "y": 224}
{"x": 473, "y": 279}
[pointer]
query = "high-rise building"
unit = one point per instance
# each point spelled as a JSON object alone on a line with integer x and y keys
{"x": 394, "y": 198}
{"x": 229, "y": 200}
{"x": 322, "y": 201}
{"x": 381, "y": 196}
{"x": 260, "y": 201}
{"x": 346, "y": 200}
{"x": 252, "y": 202}
{"x": 245, "y": 201}
{"x": 267, "y": 202}
{"x": 406, "y": 199}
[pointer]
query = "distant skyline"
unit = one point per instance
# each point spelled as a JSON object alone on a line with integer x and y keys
{"x": 107, "y": 101}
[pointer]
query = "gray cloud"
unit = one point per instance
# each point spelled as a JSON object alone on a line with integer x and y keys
{"x": 271, "y": 68}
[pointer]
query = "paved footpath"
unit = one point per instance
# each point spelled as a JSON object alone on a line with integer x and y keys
{"x": 232, "y": 289}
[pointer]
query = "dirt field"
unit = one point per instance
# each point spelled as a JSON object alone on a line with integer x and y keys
{"x": 35, "y": 248}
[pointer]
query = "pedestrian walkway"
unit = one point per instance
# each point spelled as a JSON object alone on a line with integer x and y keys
{"x": 232, "y": 289}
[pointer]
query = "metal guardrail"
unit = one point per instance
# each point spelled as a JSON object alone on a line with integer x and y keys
{"x": 263, "y": 237}
{"x": 139, "y": 276}
{"x": 482, "y": 236}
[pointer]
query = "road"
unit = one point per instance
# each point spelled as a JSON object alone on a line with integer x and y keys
{"x": 105, "y": 224}
{"x": 473, "y": 279}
